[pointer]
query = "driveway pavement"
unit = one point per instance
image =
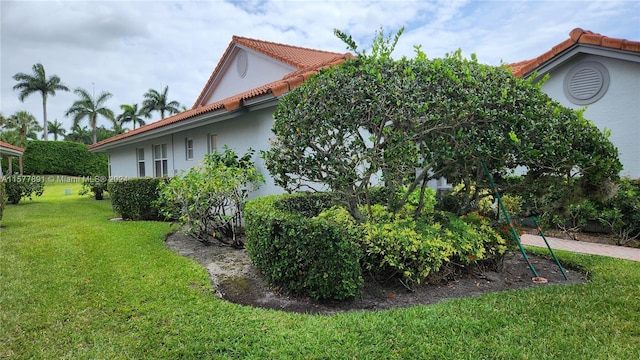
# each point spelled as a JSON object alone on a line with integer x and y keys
{"x": 583, "y": 247}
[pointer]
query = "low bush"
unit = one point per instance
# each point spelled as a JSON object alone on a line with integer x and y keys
{"x": 95, "y": 185}
{"x": 293, "y": 239}
{"x": 619, "y": 215}
{"x": 401, "y": 246}
{"x": 133, "y": 199}
{"x": 209, "y": 200}
{"x": 307, "y": 255}
{"x": 23, "y": 187}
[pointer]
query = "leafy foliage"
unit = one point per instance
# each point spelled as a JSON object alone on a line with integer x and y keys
{"x": 96, "y": 185}
{"x": 306, "y": 255}
{"x": 209, "y": 199}
{"x": 63, "y": 158}
{"x": 21, "y": 127}
{"x": 374, "y": 119}
{"x": 89, "y": 107}
{"x": 133, "y": 198}
{"x": 23, "y": 187}
{"x": 620, "y": 214}
{"x": 397, "y": 245}
{"x": 28, "y": 84}
{"x": 159, "y": 101}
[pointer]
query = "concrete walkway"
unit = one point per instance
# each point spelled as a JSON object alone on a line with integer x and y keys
{"x": 583, "y": 247}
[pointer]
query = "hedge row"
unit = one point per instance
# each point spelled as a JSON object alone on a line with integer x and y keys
{"x": 62, "y": 158}
{"x": 307, "y": 255}
{"x": 133, "y": 199}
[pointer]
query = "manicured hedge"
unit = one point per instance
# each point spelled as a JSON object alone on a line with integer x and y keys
{"x": 304, "y": 255}
{"x": 133, "y": 199}
{"x": 62, "y": 158}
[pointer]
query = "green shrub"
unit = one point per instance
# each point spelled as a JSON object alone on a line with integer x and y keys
{"x": 96, "y": 185}
{"x": 209, "y": 199}
{"x": 621, "y": 214}
{"x": 398, "y": 245}
{"x": 306, "y": 204}
{"x": 133, "y": 198}
{"x": 63, "y": 158}
{"x": 3, "y": 198}
{"x": 20, "y": 187}
{"x": 304, "y": 255}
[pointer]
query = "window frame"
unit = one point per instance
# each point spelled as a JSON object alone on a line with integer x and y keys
{"x": 141, "y": 161}
{"x": 188, "y": 148}
{"x": 162, "y": 161}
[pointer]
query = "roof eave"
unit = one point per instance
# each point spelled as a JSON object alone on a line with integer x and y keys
{"x": 186, "y": 124}
{"x": 576, "y": 49}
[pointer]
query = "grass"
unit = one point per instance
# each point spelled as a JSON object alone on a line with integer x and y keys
{"x": 75, "y": 285}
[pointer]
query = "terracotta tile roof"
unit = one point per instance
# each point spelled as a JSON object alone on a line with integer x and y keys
{"x": 576, "y": 36}
{"x": 9, "y": 146}
{"x": 295, "y": 56}
{"x": 308, "y": 62}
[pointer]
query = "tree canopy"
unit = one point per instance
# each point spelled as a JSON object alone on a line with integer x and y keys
{"x": 38, "y": 82}
{"x": 159, "y": 101}
{"x": 88, "y": 106}
{"x": 403, "y": 122}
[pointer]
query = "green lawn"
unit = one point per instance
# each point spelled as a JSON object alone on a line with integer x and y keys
{"x": 75, "y": 285}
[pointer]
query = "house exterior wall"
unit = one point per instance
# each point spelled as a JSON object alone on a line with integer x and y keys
{"x": 249, "y": 130}
{"x": 618, "y": 110}
{"x": 259, "y": 71}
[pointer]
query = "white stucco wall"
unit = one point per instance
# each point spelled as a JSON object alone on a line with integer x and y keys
{"x": 249, "y": 130}
{"x": 259, "y": 71}
{"x": 618, "y": 110}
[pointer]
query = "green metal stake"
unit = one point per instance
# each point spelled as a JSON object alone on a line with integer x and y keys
{"x": 508, "y": 219}
{"x": 535, "y": 221}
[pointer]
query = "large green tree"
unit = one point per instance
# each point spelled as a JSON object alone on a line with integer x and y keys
{"x": 89, "y": 107}
{"x": 131, "y": 114}
{"x": 159, "y": 101}
{"x": 21, "y": 127}
{"x": 403, "y": 122}
{"x": 38, "y": 82}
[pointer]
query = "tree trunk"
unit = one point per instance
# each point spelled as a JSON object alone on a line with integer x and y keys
{"x": 45, "y": 124}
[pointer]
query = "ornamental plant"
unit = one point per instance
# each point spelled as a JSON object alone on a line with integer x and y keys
{"x": 377, "y": 120}
{"x": 208, "y": 200}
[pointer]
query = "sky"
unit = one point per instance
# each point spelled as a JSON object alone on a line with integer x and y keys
{"x": 129, "y": 47}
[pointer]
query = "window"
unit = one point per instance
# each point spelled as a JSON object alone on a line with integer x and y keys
{"x": 160, "y": 160}
{"x": 213, "y": 142}
{"x": 188, "y": 148}
{"x": 140, "y": 159}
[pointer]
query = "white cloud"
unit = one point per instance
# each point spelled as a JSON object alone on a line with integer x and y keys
{"x": 127, "y": 47}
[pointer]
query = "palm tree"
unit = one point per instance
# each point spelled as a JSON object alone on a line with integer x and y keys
{"x": 38, "y": 82}
{"x": 155, "y": 101}
{"x": 130, "y": 113}
{"x": 56, "y": 129}
{"x": 80, "y": 134}
{"x": 24, "y": 125}
{"x": 90, "y": 107}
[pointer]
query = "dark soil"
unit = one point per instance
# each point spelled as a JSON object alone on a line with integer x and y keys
{"x": 237, "y": 280}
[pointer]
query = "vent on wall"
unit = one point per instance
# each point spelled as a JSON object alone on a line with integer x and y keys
{"x": 242, "y": 63}
{"x": 586, "y": 83}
